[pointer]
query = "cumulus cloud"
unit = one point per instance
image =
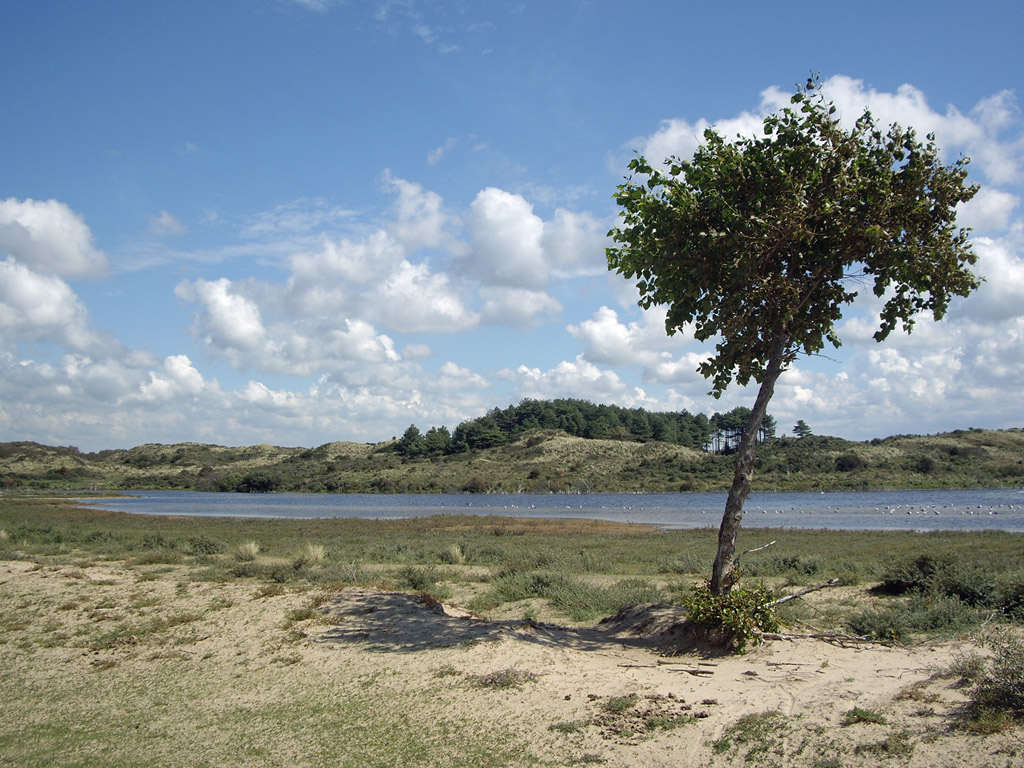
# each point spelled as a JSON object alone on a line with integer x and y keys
{"x": 991, "y": 210}
{"x": 35, "y": 307}
{"x": 577, "y": 378}
{"x": 506, "y": 241}
{"x": 999, "y": 297}
{"x": 177, "y": 379}
{"x": 513, "y": 246}
{"x": 517, "y": 307}
{"x": 420, "y": 218}
{"x": 678, "y": 137}
{"x": 421, "y": 271}
{"x": 229, "y": 320}
{"x": 988, "y": 134}
{"x": 49, "y": 238}
{"x": 414, "y": 300}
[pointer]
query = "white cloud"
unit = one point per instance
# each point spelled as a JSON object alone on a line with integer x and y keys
{"x": 230, "y": 321}
{"x": 48, "y": 237}
{"x": 977, "y": 135}
{"x": 506, "y": 241}
{"x": 680, "y": 138}
{"x": 420, "y": 218}
{"x": 298, "y": 217}
{"x": 575, "y": 242}
{"x": 36, "y": 307}
{"x": 345, "y": 262}
{"x": 412, "y": 300}
{"x": 517, "y": 307}
{"x": 178, "y": 379}
{"x": 578, "y": 378}
{"x": 437, "y": 154}
{"x": 512, "y": 246}
{"x": 991, "y": 210}
{"x": 644, "y": 345}
{"x": 166, "y": 224}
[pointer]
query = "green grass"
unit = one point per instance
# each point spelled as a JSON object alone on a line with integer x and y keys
{"x": 349, "y": 728}
{"x": 57, "y": 528}
{"x": 606, "y": 566}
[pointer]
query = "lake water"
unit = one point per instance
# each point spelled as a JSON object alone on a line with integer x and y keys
{"x": 874, "y": 510}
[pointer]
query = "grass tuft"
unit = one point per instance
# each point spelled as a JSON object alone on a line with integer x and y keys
{"x": 310, "y": 555}
{"x": 247, "y": 551}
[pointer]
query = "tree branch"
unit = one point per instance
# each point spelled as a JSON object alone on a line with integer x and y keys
{"x": 802, "y": 592}
{"x": 736, "y": 562}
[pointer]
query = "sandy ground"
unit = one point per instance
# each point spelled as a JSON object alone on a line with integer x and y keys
{"x": 233, "y": 674}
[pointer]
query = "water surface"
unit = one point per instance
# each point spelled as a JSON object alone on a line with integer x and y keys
{"x": 875, "y": 510}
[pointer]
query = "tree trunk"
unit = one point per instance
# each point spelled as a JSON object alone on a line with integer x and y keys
{"x": 723, "y": 574}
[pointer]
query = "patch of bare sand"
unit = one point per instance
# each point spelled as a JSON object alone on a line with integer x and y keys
{"x": 810, "y": 683}
{"x": 231, "y": 673}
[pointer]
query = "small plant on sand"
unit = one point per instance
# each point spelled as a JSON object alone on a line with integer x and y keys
{"x": 898, "y": 744}
{"x": 568, "y": 726}
{"x": 758, "y": 732}
{"x": 997, "y": 698}
{"x": 620, "y": 703}
{"x": 858, "y": 715}
{"x": 505, "y": 678}
{"x": 247, "y": 551}
{"x": 310, "y": 555}
{"x": 733, "y": 619}
{"x": 270, "y": 590}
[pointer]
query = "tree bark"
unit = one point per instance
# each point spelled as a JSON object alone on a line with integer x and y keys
{"x": 723, "y": 574}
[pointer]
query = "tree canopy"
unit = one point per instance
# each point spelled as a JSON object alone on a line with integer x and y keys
{"x": 759, "y": 242}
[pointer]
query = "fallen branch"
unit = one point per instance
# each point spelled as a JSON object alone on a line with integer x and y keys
{"x": 802, "y": 592}
{"x": 830, "y": 636}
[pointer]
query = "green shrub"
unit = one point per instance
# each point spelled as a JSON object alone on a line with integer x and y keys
{"x": 781, "y": 564}
{"x": 896, "y": 621}
{"x": 734, "y": 618}
{"x": 1010, "y": 596}
{"x": 971, "y": 583}
{"x": 204, "y": 545}
{"x": 1000, "y": 686}
{"x": 423, "y": 579}
{"x": 904, "y": 576}
{"x": 579, "y": 599}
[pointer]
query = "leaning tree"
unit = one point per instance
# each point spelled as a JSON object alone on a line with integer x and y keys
{"x": 757, "y": 244}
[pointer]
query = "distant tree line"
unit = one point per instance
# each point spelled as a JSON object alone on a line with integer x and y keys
{"x": 580, "y": 418}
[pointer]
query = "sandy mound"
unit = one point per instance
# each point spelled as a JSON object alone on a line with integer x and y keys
{"x": 146, "y": 665}
{"x": 644, "y": 654}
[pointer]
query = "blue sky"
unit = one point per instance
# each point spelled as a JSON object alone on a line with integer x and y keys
{"x": 297, "y": 221}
